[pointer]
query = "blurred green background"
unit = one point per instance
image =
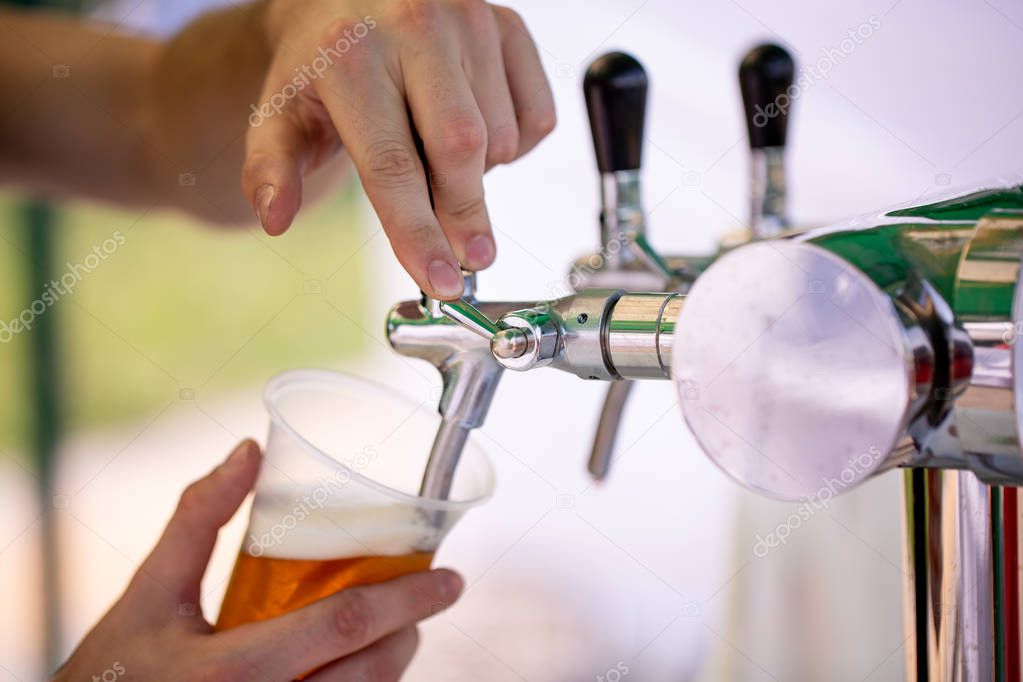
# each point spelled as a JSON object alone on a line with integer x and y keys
{"x": 179, "y": 308}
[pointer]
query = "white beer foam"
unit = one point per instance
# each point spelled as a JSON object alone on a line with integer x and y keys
{"x": 301, "y": 527}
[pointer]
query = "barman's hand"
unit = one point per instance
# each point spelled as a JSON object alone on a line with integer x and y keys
{"x": 281, "y": 93}
{"x": 367, "y": 74}
{"x": 156, "y": 631}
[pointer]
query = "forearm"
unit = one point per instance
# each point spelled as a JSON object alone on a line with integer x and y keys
{"x": 131, "y": 120}
{"x": 71, "y": 118}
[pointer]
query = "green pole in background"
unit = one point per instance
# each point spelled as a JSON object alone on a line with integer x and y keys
{"x": 44, "y": 380}
{"x": 37, "y": 219}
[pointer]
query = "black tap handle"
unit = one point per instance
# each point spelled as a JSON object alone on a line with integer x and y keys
{"x": 615, "y": 87}
{"x": 765, "y": 75}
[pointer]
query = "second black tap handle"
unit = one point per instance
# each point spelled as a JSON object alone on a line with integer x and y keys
{"x": 615, "y": 87}
{"x": 765, "y": 75}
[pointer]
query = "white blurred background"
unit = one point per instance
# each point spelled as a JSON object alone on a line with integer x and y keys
{"x": 654, "y": 570}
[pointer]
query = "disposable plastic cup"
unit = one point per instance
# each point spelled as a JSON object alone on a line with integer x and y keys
{"x": 336, "y": 502}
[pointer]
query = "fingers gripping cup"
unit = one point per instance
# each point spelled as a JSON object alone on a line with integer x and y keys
{"x": 336, "y": 501}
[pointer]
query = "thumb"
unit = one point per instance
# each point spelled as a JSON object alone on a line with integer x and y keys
{"x": 272, "y": 174}
{"x": 177, "y": 563}
{"x": 276, "y": 153}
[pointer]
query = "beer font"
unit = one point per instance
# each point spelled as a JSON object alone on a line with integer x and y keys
{"x": 805, "y": 359}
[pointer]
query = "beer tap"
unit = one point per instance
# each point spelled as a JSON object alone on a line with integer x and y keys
{"x": 615, "y": 90}
{"x": 794, "y": 357}
{"x": 765, "y": 76}
{"x": 469, "y": 372}
{"x": 805, "y": 362}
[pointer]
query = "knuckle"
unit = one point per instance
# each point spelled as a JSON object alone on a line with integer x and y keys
{"x": 462, "y": 138}
{"x": 392, "y": 163}
{"x": 420, "y": 16}
{"x": 340, "y": 34}
{"x": 422, "y": 236}
{"x": 503, "y": 144}
{"x": 352, "y": 619}
{"x": 469, "y": 208}
{"x": 476, "y": 14}
{"x": 540, "y": 120}
{"x": 411, "y": 236}
{"x": 423, "y": 233}
{"x": 509, "y": 17}
{"x": 192, "y": 499}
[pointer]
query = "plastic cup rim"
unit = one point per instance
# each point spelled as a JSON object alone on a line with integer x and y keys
{"x": 322, "y": 378}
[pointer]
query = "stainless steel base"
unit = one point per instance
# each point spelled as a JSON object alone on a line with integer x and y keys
{"x": 962, "y": 561}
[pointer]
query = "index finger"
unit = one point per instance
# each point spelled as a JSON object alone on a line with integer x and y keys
{"x": 369, "y": 111}
{"x": 295, "y": 643}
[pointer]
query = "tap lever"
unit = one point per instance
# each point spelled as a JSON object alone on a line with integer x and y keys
{"x": 615, "y": 87}
{"x": 765, "y": 75}
{"x": 505, "y": 343}
{"x": 469, "y": 316}
{"x": 607, "y": 429}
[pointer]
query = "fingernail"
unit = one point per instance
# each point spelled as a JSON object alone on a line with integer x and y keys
{"x": 451, "y": 586}
{"x": 445, "y": 279}
{"x": 480, "y": 251}
{"x": 264, "y": 199}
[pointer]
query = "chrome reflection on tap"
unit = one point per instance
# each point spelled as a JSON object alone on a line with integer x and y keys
{"x": 989, "y": 300}
{"x": 767, "y": 192}
{"x": 795, "y": 370}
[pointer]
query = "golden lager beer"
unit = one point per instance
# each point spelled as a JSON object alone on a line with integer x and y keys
{"x": 264, "y": 587}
